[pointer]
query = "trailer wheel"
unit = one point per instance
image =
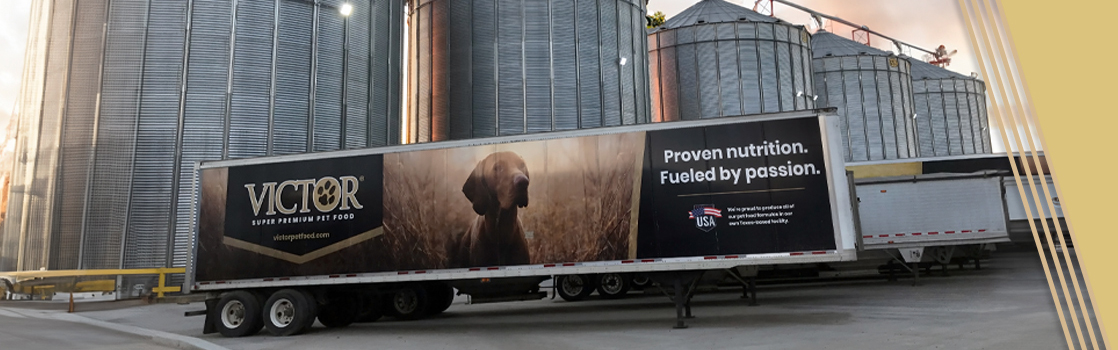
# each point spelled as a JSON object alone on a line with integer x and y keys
{"x": 372, "y": 309}
{"x": 613, "y": 285}
{"x": 640, "y": 281}
{"x": 441, "y": 296}
{"x": 342, "y": 311}
{"x": 574, "y": 287}
{"x": 289, "y": 312}
{"x": 238, "y": 314}
{"x": 408, "y": 303}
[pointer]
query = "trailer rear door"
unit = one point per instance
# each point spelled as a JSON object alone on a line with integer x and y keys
{"x": 932, "y": 210}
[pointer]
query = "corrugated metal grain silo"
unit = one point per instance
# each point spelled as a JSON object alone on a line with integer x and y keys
{"x": 137, "y": 91}
{"x": 872, "y": 90}
{"x": 501, "y": 67}
{"x": 718, "y": 59}
{"x": 950, "y": 110}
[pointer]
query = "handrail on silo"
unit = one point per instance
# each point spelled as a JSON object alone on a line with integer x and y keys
{"x": 814, "y": 13}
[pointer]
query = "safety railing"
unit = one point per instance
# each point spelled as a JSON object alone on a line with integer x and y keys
{"x": 17, "y": 278}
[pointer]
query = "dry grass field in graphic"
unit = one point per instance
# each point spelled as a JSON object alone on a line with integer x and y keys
{"x": 580, "y": 199}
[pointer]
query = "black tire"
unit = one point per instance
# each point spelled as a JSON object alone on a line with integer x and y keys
{"x": 237, "y": 314}
{"x": 574, "y": 287}
{"x": 372, "y": 309}
{"x": 613, "y": 285}
{"x": 442, "y": 296}
{"x": 407, "y": 303}
{"x": 640, "y": 281}
{"x": 289, "y": 312}
{"x": 341, "y": 311}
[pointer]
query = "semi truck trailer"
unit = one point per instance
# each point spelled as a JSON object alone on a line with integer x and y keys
{"x": 355, "y": 235}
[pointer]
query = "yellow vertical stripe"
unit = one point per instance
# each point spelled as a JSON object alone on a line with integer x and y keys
{"x": 981, "y": 41}
{"x": 1054, "y": 32}
{"x": 1024, "y": 106}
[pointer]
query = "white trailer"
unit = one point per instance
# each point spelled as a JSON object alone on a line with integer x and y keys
{"x": 928, "y": 218}
{"x": 1019, "y": 228}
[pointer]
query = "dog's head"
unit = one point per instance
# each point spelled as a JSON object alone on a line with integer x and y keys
{"x": 500, "y": 181}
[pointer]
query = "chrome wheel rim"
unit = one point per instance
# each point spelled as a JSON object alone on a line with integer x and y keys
{"x": 611, "y": 283}
{"x": 233, "y": 314}
{"x": 282, "y": 313}
{"x": 572, "y": 285}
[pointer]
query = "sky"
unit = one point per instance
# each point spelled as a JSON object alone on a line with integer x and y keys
{"x": 13, "y": 39}
{"x": 926, "y": 23}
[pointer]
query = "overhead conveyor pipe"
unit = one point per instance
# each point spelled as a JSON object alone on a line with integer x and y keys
{"x": 814, "y": 13}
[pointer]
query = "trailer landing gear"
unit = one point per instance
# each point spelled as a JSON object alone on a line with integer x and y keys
{"x": 748, "y": 285}
{"x": 682, "y": 296}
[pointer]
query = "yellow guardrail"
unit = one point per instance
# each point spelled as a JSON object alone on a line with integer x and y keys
{"x": 17, "y": 277}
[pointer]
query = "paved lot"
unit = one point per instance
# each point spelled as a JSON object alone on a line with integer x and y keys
{"x": 1006, "y": 305}
{"x": 19, "y": 331}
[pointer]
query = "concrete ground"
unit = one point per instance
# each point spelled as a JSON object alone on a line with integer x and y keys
{"x": 1006, "y": 305}
{"x": 21, "y": 331}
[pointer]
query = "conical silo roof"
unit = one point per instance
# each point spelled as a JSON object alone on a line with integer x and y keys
{"x": 715, "y": 11}
{"x": 824, "y": 43}
{"x": 925, "y": 70}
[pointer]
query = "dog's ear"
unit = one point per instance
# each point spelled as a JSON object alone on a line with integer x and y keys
{"x": 476, "y": 190}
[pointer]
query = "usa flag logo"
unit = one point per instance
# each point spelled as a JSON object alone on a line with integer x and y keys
{"x": 704, "y": 216}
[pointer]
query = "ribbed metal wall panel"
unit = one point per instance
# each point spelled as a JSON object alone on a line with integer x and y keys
{"x": 357, "y": 76}
{"x": 78, "y": 128}
{"x": 39, "y": 238}
{"x": 385, "y": 46}
{"x": 510, "y": 67}
{"x": 118, "y": 143}
{"x": 485, "y": 68}
{"x": 30, "y": 99}
{"x": 252, "y": 76}
{"x": 873, "y": 93}
{"x": 537, "y": 68}
{"x": 328, "y": 89}
{"x": 293, "y": 78}
{"x": 149, "y": 222}
{"x": 627, "y": 42}
{"x": 950, "y": 116}
{"x": 110, "y": 187}
{"x": 610, "y": 63}
{"x": 709, "y": 70}
{"x": 203, "y": 118}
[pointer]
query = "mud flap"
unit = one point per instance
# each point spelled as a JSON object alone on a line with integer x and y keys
{"x": 211, "y": 310}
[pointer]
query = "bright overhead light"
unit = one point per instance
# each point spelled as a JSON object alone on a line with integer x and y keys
{"x": 799, "y": 93}
{"x": 622, "y": 61}
{"x": 913, "y": 115}
{"x": 346, "y": 9}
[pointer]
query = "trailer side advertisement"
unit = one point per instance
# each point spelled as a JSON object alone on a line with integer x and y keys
{"x": 743, "y": 188}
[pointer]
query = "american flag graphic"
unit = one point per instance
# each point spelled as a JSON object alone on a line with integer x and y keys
{"x": 704, "y": 211}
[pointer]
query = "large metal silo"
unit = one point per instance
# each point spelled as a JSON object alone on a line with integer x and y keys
{"x": 872, "y": 90}
{"x": 950, "y": 112}
{"x": 134, "y": 92}
{"x": 500, "y": 67}
{"x": 718, "y": 59}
